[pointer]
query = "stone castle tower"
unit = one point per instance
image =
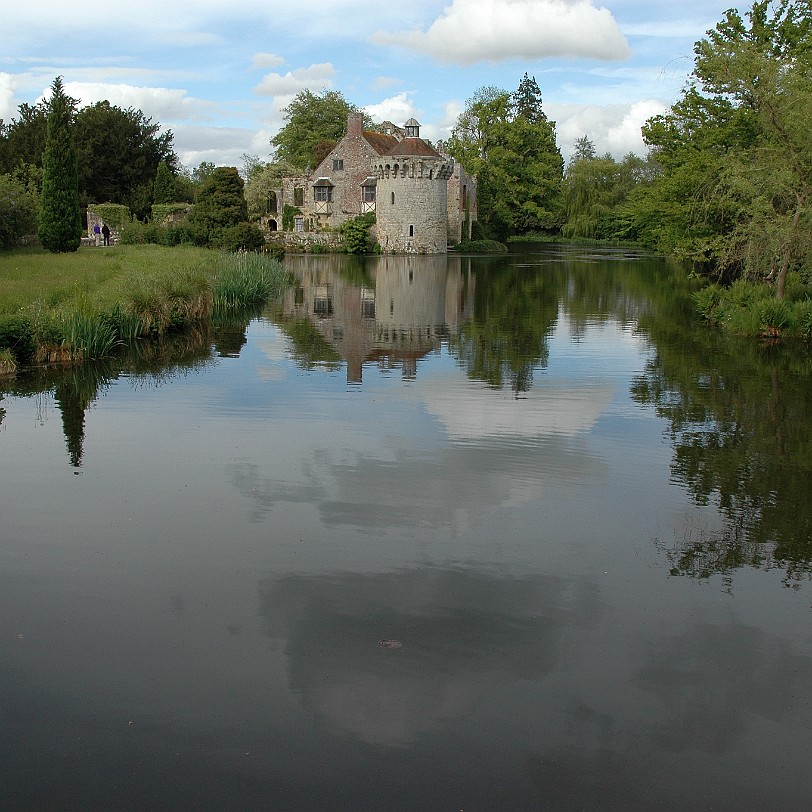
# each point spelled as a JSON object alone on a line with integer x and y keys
{"x": 412, "y": 196}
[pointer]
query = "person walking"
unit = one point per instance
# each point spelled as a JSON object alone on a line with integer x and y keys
{"x": 97, "y": 233}
{"x": 106, "y": 233}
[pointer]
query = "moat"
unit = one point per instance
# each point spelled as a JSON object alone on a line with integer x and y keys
{"x": 431, "y": 533}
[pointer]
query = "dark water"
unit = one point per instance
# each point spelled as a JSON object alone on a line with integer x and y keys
{"x": 583, "y": 519}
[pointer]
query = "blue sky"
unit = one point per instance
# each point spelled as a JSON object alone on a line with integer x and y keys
{"x": 220, "y": 74}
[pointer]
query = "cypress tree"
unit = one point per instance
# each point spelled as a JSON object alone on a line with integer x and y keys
{"x": 60, "y": 228}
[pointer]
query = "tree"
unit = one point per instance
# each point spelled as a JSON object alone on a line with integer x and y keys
{"x": 736, "y": 149}
{"x": 312, "y": 118}
{"x": 19, "y": 208}
{"x": 507, "y": 141}
{"x": 596, "y": 189}
{"x": 23, "y": 140}
{"x": 60, "y": 228}
{"x": 164, "y": 191}
{"x": 220, "y": 205}
{"x": 119, "y": 153}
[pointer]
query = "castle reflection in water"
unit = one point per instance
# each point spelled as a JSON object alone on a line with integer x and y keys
{"x": 388, "y": 310}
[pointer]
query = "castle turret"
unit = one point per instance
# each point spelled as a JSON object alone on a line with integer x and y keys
{"x": 412, "y": 196}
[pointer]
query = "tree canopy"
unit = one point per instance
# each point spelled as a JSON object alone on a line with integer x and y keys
{"x": 736, "y": 149}
{"x": 118, "y": 151}
{"x": 312, "y": 119}
{"x": 507, "y": 141}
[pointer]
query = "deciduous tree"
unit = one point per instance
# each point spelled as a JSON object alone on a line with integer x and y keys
{"x": 312, "y": 118}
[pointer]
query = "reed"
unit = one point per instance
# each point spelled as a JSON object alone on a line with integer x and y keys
{"x": 246, "y": 279}
{"x": 8, "y": 364}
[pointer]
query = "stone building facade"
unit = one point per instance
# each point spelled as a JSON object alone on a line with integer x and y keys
{"x": 434, "y": 198}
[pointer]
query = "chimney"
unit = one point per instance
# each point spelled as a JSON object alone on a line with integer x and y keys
{"x": 355, "y": 124}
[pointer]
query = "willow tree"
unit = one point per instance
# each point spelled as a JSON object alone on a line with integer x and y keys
{"x": 60, "y": 228}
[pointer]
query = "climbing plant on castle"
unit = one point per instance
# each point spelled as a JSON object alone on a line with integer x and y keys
{"x": 507, "y": 140}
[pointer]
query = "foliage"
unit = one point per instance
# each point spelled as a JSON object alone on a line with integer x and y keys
{"x": 19, "y": 208}
{"x": 242, "y": 237}
{"x": 60, "y": 226}
{"x": 261, "y": 187}
{"x": 481, "y": 247}
{"x": 736, "y": 150}
{"x": 164, "y": 189}
{"x": 220, "y": 205}
{"x": 23, "y": 140}
{"x": 16, "y": 337}
{"x": 246, "y": 279}
{"x": 115, "y": 215}
{"x": 595, "y": 190}
{"x": 288, "y": 215}
{"x": 750, "y": 308}
{"x": 312, "y": 118}
{"x": 8, "y": 366}
{"x": 507, "y": 141}
{"x": 163, "y": 212}
{"x": 119, "y": 153}
{"x": 355, "y": 233}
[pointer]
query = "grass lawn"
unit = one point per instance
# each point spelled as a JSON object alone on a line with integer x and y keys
{"x": 98, "y": 275}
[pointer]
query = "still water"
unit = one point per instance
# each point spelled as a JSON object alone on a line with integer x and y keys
{"x": 456, "y": 533}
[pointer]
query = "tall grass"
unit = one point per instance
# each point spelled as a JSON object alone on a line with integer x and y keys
{"x": 168, "y": 302}
{"x": 247, "y": 279}
{"x": 125, "y": 294}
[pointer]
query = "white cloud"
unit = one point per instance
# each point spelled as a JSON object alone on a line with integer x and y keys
{"x": 8, "y": 107}
{"x": 613, "y": 128}
{"x": 396, "y": 109}
{"x": 471, "y": 31}
{"x": 316, "y": 77}
{"x": 158, "y": 103}
{"x": 267, "y": 61}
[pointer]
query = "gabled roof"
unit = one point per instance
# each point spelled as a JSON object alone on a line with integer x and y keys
{"x": 379, "y": 142}
{"x": 416, "y": 147}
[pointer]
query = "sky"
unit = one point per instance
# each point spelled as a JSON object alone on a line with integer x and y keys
{"x": 220, "y": 74}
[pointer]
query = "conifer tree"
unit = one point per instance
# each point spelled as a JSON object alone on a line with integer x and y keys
{"x": 60, "y": 228}
{"x": 164, "y": 190}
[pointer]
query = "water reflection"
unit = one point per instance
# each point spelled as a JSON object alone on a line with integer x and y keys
{"x": 247, "y": 527}
{"x": 742, "y": 437}
{"x": 465, "y": 635}
{"x": 389, "y": 311}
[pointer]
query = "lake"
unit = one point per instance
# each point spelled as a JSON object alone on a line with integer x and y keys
{"x": 431, "y": 533}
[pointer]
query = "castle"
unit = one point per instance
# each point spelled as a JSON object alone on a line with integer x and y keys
{"x": 422, "y": 199}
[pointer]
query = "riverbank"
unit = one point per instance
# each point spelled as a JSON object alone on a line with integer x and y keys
{"x": 66, "y": 308}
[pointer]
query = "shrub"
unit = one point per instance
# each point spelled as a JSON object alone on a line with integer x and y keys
{"x": 242, "y": 237}
{"x": 355, "y": 233}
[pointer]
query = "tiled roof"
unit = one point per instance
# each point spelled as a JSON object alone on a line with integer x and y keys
{"x": 379, "y": 142}
{"x": 413, "y": 146}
